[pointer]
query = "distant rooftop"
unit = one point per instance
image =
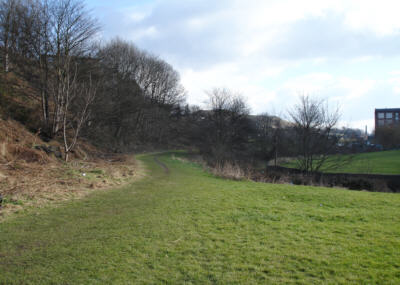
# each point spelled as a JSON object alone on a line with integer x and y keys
{"x": 388, "y": 110}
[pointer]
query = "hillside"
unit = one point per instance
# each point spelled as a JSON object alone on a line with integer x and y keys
{"x": 182, "y": 225}
{"x": 31, "y": 176}
{"x": 33, "y": 171}
{"x": 275, "y": 121}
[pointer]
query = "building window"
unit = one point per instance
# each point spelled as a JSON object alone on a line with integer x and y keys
{"x": 381, "y": 115}
{"x": 397, "y": 116}
{"x": 389, "y": 115}
{"x": 381, "y": 122}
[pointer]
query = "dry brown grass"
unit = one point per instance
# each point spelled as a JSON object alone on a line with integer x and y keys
{"x": 230, "y": 170}
{"x": 227, "y": 170}
{"x": 15, "y": 152}
{"x": 17, "y": 144}
{"x": 27, "y": 184}
{"x": 12, "y": 131}
{"x": 31, "y": 178}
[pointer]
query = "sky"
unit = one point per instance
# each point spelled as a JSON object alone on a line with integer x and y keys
{"x": 346, "y": 52}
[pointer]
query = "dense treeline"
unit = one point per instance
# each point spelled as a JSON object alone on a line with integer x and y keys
{"x": 140, "y": 98}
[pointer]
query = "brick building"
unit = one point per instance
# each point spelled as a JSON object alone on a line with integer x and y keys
{"x": 386, "y": 117}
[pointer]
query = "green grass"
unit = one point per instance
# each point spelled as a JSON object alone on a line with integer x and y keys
{"x": 190, "y": 227}
{"x": 382, "y": 162}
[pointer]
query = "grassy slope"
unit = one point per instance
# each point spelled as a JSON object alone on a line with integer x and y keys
{"x": 187, "y": 226}
{"x": 382, "y": 162}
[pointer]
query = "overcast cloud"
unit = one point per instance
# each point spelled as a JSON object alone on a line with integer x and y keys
{"x": 346, "y": 51}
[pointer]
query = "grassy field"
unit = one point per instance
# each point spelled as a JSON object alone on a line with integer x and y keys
{"x": 382, "y": 162}
{"x": 186, "y": 226}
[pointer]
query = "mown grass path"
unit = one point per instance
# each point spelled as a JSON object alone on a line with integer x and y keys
{"x": 186, "y": 226}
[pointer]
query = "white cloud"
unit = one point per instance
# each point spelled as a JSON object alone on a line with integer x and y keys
{"x": 394, "y": 82}
{"x": 147, "y": 32}
{"x": 381, "y": 17}
{"x": 354, "y": 89}
{"x": 229, "y": 76}
{"x": 137, "y": 16}
{"x": 313, "y": 83}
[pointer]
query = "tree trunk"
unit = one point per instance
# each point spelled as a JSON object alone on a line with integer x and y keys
{"x": 6, "y": 56}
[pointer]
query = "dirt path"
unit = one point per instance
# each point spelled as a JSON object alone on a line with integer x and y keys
{"x": 166, "y": 169}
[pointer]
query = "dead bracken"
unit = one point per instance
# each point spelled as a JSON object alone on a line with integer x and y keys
{"x": 30, "y": 176}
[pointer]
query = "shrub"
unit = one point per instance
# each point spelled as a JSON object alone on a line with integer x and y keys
{"x": 230, "y": 171}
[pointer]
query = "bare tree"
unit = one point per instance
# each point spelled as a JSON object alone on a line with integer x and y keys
{"x": 223, "y": 132}
{"x": 121, "y": 104}
{"x": 269, "y": 139}
{"x": 158, "y": 80}
{"x": 8, "y": 12}
{"x": 40, "y": 42}
{"x": 80, "y": 95}
{"x": 313, "y": 123}
{"x": 73, "y": 30}
{"x": 139, "y": 95}
{"x": 17, "y": 19}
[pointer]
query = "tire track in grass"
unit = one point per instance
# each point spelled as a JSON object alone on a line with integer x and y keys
{"x": 163, "y": 165}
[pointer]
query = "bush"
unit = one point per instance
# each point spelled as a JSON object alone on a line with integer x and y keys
{"x": 358, "y": 184}
{"x": 230, "y": 171}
